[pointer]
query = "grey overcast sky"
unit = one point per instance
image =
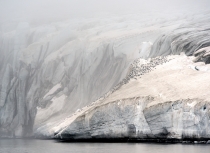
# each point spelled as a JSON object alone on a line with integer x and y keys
{"x": 35, "y": 10}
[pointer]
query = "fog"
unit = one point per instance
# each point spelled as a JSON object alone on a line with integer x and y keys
{"x": 45, "y": 11}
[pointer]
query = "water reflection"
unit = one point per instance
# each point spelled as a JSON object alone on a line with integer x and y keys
{"x": 50, "y": 146}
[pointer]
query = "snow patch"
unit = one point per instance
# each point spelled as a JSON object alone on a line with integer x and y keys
{"x": 56, "y": 87}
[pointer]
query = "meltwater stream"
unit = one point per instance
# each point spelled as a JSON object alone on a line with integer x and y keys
{"x": 51, "y": 146}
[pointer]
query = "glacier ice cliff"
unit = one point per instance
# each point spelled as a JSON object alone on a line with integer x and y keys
{"x": 50, "y": 74}
{"x": 129, "y": 119}
{"x": 165, "y": 103}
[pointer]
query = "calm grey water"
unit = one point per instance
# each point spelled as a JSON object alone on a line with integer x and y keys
{"x": 51, "y": 146}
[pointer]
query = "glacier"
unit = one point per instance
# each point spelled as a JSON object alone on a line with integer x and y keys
{"x": 53, "y": 74}
{"x": 165, "y": 104}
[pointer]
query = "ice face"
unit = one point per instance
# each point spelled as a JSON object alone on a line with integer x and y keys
{"x": 50, "y": 69}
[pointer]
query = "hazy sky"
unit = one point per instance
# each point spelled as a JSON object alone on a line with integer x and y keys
{"x": 35, "y": 10}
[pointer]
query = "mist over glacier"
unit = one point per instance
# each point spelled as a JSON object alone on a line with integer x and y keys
{"x": 47, "y": 11}
{"x": 59, "y": 56}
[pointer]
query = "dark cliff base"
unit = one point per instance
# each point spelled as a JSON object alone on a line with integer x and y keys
{"x": 134, "y": 140}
